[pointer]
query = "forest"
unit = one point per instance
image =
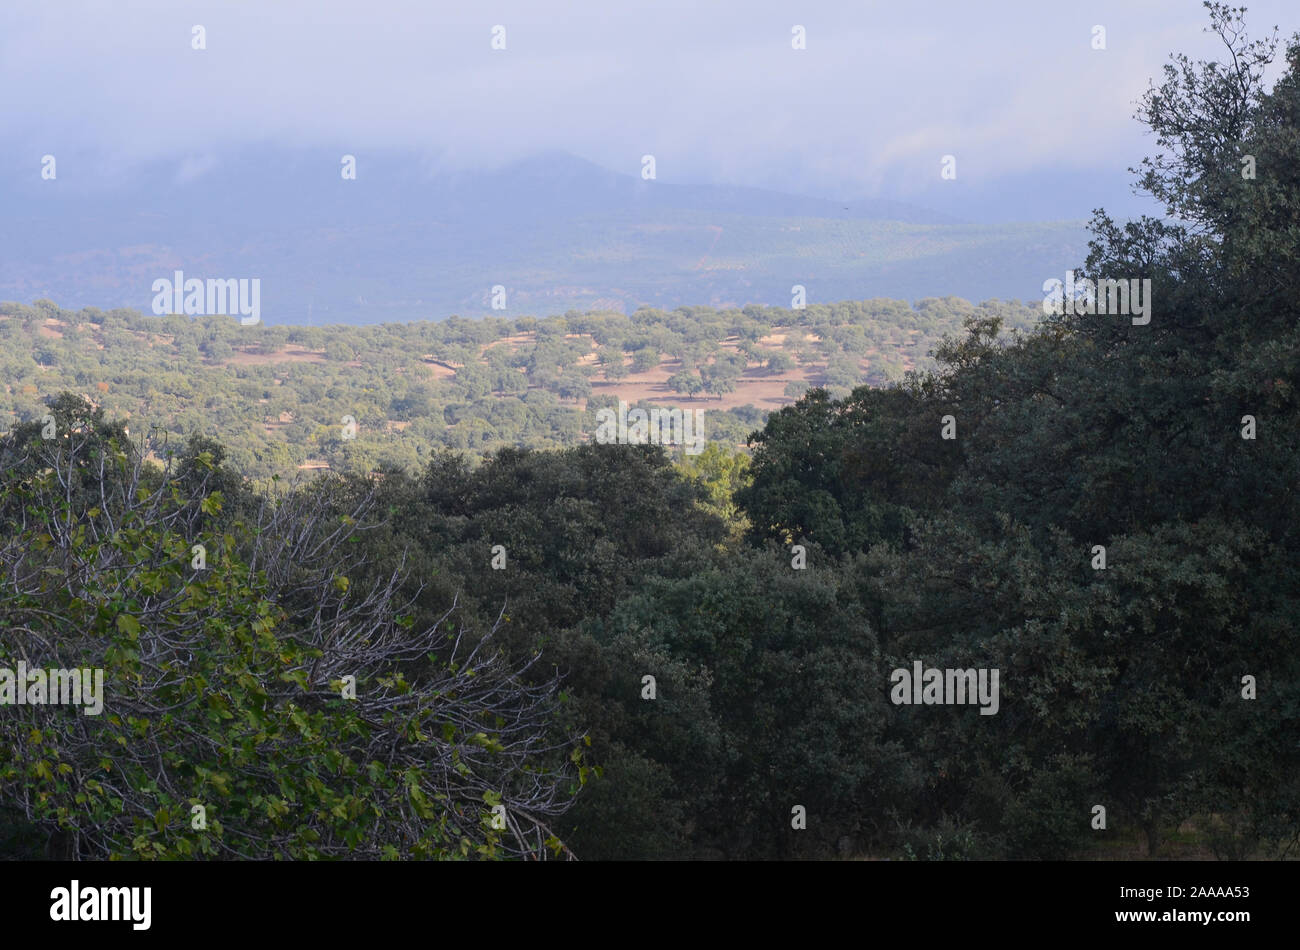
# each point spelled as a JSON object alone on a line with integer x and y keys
{"x": 500, "y": 639}
{"x": 277, "y": 395}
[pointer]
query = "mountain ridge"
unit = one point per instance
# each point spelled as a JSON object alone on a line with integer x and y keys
{"x": 409, "y": 240}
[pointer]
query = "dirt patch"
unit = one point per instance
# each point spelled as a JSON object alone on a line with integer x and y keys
{"x": 514, "y": 342}
{"x": 439, "y": 370}
{"x": 753, "y": 387}
{"x": 290, "y": 353}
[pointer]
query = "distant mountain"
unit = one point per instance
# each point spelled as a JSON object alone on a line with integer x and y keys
{"x": 404, "y": 241}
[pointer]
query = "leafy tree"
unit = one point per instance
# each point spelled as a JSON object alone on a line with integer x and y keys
{"x": 686, "y": 382}
{"x": 223, "y": 682}
{"x": 779, "y": 362}
{"x": 645, "y": 359}
{"x": 718, "y": 379}
{"x": 1095, "y": 436}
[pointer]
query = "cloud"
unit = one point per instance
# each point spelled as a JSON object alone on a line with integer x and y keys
{"x": 712, "y": 89}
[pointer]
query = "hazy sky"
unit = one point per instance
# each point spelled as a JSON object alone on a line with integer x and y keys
{"x": 711, "y": 88}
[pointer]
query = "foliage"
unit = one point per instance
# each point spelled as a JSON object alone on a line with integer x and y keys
{"x": 223, "y": 683}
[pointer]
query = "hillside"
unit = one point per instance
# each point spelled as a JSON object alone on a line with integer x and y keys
{"x": 279, "y": 397}
{"x": 405, "y": 242}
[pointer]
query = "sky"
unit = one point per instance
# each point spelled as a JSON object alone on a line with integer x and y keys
{"x": 1040, "y": 124}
